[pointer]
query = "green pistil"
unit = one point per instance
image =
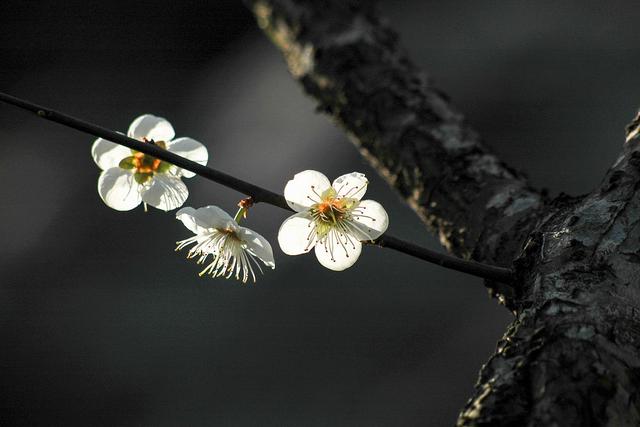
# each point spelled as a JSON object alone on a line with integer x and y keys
{"x": 127, "y": 163}
{"x": 331, "y": 216}
{"x": 322, "y": 229}
{"x": 164, "y": 167}
{"x": 141, "y": 178}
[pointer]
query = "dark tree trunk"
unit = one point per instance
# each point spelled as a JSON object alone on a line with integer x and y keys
{"x": 572, "y": 355}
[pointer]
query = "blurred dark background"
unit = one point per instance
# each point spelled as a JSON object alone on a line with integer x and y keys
{"x": 102, "y": 324}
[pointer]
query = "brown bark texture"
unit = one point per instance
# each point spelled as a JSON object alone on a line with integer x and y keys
{"x": 571, "y": 356}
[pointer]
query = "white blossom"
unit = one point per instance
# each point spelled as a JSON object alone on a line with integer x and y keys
{"x": 331, "y": 218}
{"x": 130, "y": 177}
{"x": 234, "y": 249}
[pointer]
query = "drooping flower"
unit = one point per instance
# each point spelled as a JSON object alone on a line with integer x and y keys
{"x": 233, "y": 248}
{"x": 331, "y": 217}
{"x": 130, "y": 177}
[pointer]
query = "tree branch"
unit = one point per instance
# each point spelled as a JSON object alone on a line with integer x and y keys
{"x": 572, "y": 355}
{"x": 350, "y": 62}
{"x": 257, "y": 193}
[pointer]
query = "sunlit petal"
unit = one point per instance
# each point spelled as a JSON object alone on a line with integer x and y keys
{"x": 205, "y": 219}
{"x": 305, "y": 189}
{"x": 297, "y": 234}
{"x": 371, "y": 220}
{"x": 190, "y": 149}
{"x": 352, "y": 185}
{"x": 107, "y": 155}
{"x": 151, "y": 127}
{"x": 338, "y": 253}
{"x": 118, "y": 189}
{"x": 257, "y": 245}
{"x": 166, "y": 192}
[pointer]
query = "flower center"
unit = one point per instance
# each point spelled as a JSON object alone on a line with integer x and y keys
{"x": 143, "y": 165}
{"x": 230, "y": 233}
{"x": 331, "y": 212}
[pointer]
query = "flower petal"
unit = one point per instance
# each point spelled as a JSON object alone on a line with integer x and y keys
{"x": 297, "y": 234}
{"x": 190, "y": 149}
{"x": 166, "y": 192}
{"x": 118, "y": 189}
{"x": 204, "y": 220}
{"x": 338, "y": 255}
{"x": 304, "y": 189}
{"x": 107, "y": 155}
{"x": 371, "y": 220}
{"x": 258, "y": 246}
{"x": 151, "y": 127}
{"x": 352, "y": 185}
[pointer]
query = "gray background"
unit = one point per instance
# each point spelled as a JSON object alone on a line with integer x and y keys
{"x": 102, "y": 324}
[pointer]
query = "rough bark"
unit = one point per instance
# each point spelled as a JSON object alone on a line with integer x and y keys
{"x": 572, "y": 355}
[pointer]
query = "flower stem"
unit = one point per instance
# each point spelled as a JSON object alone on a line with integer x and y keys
{"x": 257, "y": 194}
{"x": 242, "y": 213}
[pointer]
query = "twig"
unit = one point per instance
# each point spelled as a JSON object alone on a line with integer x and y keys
{"x": 258, "y": 194}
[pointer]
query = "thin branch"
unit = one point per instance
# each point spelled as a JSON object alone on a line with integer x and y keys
{"x": 258, "y": 194}
{"x": 500, "y": 274}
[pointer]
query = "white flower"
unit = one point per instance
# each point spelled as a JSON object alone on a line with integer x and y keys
{"x": 130, "y": 177}
{"x": 330, "y": 217}
{"x": 232, "y": 247}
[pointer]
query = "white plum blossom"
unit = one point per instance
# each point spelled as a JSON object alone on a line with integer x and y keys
{"x": 233, "y": 248}
{"x": 130, "y": 177}
{"x": 331, "y": 217}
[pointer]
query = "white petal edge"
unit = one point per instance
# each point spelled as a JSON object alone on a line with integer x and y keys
{"x": 352, "y": 185}
{"x": 190, "y": 149}
{"x": 151, "y": 127}
{"x": 204, "y": 220}
{"x": 293, "y": 236}
{"x": 371, "y": 220}
{"x": 118, "y": 189}
{"x": 166, "y": 192}
{"x": 258, "y": 246}
{"x": 304, "y": 189}
{"x": 340, "y": 256}
{"x": 107, "y": 154}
